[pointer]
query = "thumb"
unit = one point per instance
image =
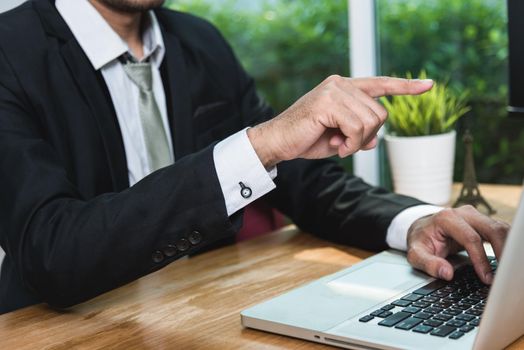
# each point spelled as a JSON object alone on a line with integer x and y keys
{"x": 423, "y": 259}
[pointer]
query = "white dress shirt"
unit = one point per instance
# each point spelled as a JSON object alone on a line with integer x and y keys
{"x": 235, "y": 159}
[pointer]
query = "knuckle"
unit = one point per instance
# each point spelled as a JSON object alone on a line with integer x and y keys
{"x": 358, "y": 127}
{"x": 473, "y": 238}
{"x": 382, "y": 113}
{"x": 500, "y": 228}
{"x": 334, "y": 78}
{"x": 325, "y": 99}
{"x": 371, "y": 119}
{"x": 444, "y": 215}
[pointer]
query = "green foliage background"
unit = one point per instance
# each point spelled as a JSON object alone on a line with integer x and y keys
{"x": 289, "y": 46}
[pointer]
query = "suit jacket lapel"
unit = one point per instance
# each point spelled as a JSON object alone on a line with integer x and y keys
{"x": 178, "y": 97}
{"x": 92, "y": 90}
{"x": 176, "y": 84}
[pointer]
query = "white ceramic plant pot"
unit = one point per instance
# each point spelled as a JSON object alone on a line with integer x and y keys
{"x": 422, "y": 166}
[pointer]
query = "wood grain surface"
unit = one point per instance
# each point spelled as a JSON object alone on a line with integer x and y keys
{"x": 195, "y": 303}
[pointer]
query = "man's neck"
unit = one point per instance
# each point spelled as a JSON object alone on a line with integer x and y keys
{"x": 126, "y": 25}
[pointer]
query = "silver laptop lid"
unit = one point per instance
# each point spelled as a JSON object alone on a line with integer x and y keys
{"x": 503, "y": 318}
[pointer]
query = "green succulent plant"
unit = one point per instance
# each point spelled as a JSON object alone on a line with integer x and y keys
{"x": 434, "y": 112}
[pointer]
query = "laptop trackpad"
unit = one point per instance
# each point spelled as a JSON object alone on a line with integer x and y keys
{"x": 330, "y": 301}
{"x": 372, "y": 284}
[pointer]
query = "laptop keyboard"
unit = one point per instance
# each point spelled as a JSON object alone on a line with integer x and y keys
{"x": 440, "y": 308}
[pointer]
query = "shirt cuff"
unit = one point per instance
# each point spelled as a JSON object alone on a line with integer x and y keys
{"x": 241, "y": 174}
{"x": 398, "y": 229}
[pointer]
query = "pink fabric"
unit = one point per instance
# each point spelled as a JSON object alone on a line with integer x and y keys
{"x": 259, "y": 218}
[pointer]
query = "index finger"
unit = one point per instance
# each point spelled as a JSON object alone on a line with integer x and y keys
{"x": 384, "y": 86}
{"x": 493, "y": 231}
{"x": 458, "y": 229}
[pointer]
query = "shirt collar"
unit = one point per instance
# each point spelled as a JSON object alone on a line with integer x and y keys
{"x": 99, "y": 41}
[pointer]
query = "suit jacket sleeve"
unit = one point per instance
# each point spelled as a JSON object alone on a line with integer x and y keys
{"x": 66, "y": 248}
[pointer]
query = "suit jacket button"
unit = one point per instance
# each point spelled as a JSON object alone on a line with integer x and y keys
{"x": 195, "y": 237}
{"x": 170, "y": 250}
{"x": 158, "y": 256}
{"x": 182, "y": 245}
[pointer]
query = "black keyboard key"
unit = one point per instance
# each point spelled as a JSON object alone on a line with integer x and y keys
{"x": 430, "y": 287}
{"x": 456, "y": 335}
{"x": 465, "y": 317}
{"x": 433, "y": 310}
{"x": 475, "y": 322}
{"x": 377, "y": 312}
{"x": 456, "y": 323}
{"x": 422, "y": 329}
{"x": 484, "y": 290}
{"x": 411, "y": 309}
{"x": 387, "y": 307}
{"x": 474, "y": 312}
{"x": 385, "y": 314}
{"x": 422, "y": 315}
{"x": 421, "y": 304}
{"x": 412, "y": 297}
{"x": 433, "y": 323}
{"x": 466, "y": 328}
{"x": 440, "y": 294}
{"x": 462, "y": 306}
{"x": 408, "y": 323}
{"x": 402, "y": 303}
{"x": 453, "y": 312}
{"x": 460, "y": 296}
{"x": 430, "y": 299}
{"x": 442, "y": 331}
{"x": 394, "y": 319}
{"x": 443, "y": 304}
{"x": 475, "y": 297}
{"x": 442, "y": 317}
{"x": 451, "y": 299}
{"x": 366, "y": 318}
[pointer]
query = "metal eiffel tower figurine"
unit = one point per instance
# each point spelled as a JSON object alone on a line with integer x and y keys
{"x": 470, "y": 193}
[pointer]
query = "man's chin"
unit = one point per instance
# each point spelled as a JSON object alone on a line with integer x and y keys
{"x": 132, "y": 6}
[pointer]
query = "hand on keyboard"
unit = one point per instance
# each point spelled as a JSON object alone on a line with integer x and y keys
{"x": 432, "y": 238}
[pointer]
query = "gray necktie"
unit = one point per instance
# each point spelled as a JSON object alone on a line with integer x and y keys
{"x": 155, "y": 137}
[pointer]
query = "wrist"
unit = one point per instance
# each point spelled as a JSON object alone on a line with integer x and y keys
{"x": 262, "y": 146}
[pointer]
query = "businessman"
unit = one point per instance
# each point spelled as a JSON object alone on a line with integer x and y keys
{"x": 130, "y": 136}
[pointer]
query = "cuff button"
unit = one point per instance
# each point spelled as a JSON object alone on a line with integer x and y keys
{"x": 170, "y": 250}
{"x": 157, "y": 256}
{"x": 245, "y": 191}
{"x": 182, "y": 245}
{"x": 195, "y": 237}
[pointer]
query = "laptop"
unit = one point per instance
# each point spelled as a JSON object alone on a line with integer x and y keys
{"x": 383, "y": 303}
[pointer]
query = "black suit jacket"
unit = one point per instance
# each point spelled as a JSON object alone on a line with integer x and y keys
{"x": 71, "y": 226}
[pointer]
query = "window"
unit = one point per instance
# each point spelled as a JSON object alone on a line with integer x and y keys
{"x": 465, "y": 43}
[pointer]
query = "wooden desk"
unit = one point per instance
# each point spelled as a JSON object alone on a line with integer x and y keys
{"x": 195, "y": 303}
